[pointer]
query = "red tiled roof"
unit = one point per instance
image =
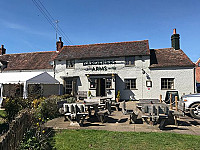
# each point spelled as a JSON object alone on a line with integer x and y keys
{"x": 105, "y": 50}
{"x": 169, "y": 57}
{"x": 28, "y": 61}
{"x": 198, "y": 71}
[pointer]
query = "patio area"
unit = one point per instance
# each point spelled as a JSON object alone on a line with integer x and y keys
{"x": 119, "y": 122}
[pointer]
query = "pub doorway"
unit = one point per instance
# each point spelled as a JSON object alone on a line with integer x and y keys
{"x": 101, "y": 87}
{"x": 70, "y": 86}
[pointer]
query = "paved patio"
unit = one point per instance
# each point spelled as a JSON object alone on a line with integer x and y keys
{"x": 119, "y": 122}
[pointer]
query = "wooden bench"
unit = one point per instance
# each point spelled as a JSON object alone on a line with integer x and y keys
{"x": 75, "y": 113}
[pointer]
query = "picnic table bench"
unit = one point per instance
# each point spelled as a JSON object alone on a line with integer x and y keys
{"x": 75, "y": 113}
{"x": 151, "y": 111}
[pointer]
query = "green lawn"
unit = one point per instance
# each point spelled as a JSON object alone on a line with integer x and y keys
{"x": 96, "y": 139}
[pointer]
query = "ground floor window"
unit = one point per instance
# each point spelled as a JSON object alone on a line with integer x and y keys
{"x": 108, "y": 83}
{"x": 68, "y": 86}
{"x": 167, "y": 83}
{"x": 93, "y": 83}
{"x": 130, "y": 83}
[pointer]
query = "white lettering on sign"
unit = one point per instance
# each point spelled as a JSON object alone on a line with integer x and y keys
{"x": 101, "y": 62}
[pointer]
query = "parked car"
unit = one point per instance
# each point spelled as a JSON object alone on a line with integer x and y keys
{"x": 191, "y": 103}
{"x": 198, "y": 87}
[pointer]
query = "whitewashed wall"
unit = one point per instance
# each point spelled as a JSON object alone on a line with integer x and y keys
{"x": 183, "y": 80}
{"x": 141, "y": 62}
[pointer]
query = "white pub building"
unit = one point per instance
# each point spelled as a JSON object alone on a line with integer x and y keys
{"x": 129, "y": 67}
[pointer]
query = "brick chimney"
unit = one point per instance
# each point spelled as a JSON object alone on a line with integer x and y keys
{"x": 175, "y": 40}
{"x": 59, "y": 44}
{"x": 2, "y": 50}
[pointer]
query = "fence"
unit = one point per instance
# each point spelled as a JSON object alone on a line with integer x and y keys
{"x": 11, "y": 139}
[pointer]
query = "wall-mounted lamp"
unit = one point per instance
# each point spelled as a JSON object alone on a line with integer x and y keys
{"x": 143, "y": 72}
{"x": 113, "y": 77}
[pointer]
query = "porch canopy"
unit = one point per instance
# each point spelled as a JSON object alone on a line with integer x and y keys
{"x": 26, "y": 78}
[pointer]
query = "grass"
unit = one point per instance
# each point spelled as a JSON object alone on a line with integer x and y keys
{"x": 109, "y": 140}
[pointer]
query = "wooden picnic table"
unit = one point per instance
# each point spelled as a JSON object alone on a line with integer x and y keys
{"x": 77, "y": 112}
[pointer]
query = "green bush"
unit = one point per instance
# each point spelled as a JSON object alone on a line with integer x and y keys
{"x": 36, "y": 138}
{"x": 49, "y": 108}
{"x": 14, "y": 105}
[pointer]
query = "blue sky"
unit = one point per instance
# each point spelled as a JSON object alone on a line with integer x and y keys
{"x": 24, "y": 29}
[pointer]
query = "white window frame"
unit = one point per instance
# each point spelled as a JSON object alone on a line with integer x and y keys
{"x": 169, "y": 83}
{"x": 70, "y": 64}
{"x": 130, "y": 82}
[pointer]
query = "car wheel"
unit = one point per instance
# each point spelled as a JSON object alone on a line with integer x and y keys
{"x": 195, "y": 111}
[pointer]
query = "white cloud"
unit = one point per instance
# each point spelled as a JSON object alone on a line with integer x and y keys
{"x": 16, "y": 26}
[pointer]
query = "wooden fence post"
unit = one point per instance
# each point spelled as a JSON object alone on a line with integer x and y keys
{"x": 170, "y": 99}
{"x": 176, "y": 102}
{"x": 160, "y": 98}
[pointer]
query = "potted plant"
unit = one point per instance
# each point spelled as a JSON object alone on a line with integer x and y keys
{"x": 118, "y": 96}
{"x": 89, "y": 94}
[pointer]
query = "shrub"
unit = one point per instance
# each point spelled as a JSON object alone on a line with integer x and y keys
{"x": 14, "y": 105}
{"x": 36, "y": 138}
{"x": 36, "y": 102}
{"x": 49, "y": 108}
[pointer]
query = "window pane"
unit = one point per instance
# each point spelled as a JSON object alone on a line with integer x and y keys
{"x": 130, "y": 60}
{"x": 130, "y": 83}
{"x": 133, "y": 83}
{"x": 70, "y": 63}
{"x": 167, "y": 83}
{"x": 127, "y": 84}
{"x": 108, "y": 83}
{"x": 68, "y": 86}
{"x": 93, "y": 83}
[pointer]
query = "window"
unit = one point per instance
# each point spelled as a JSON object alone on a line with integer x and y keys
{"x": 93, "y": 83}
{"x": 70, "y": 63}
{"x": 68, "y": 86}
{"x": 108, "y": 83}
{"x": 130, "y": 61}
{"x": 130, "y": 83}
{"x": 198, "y": 64}
{"x": 167, "y": 83}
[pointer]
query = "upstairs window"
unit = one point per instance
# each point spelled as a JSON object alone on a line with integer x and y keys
{"x": 70, "y": 63}
{"x": 198, "y": 64}
{"x": 167, "y": 83}
{"x": 130, "y": 83}
{"x": 130, "y": 61}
